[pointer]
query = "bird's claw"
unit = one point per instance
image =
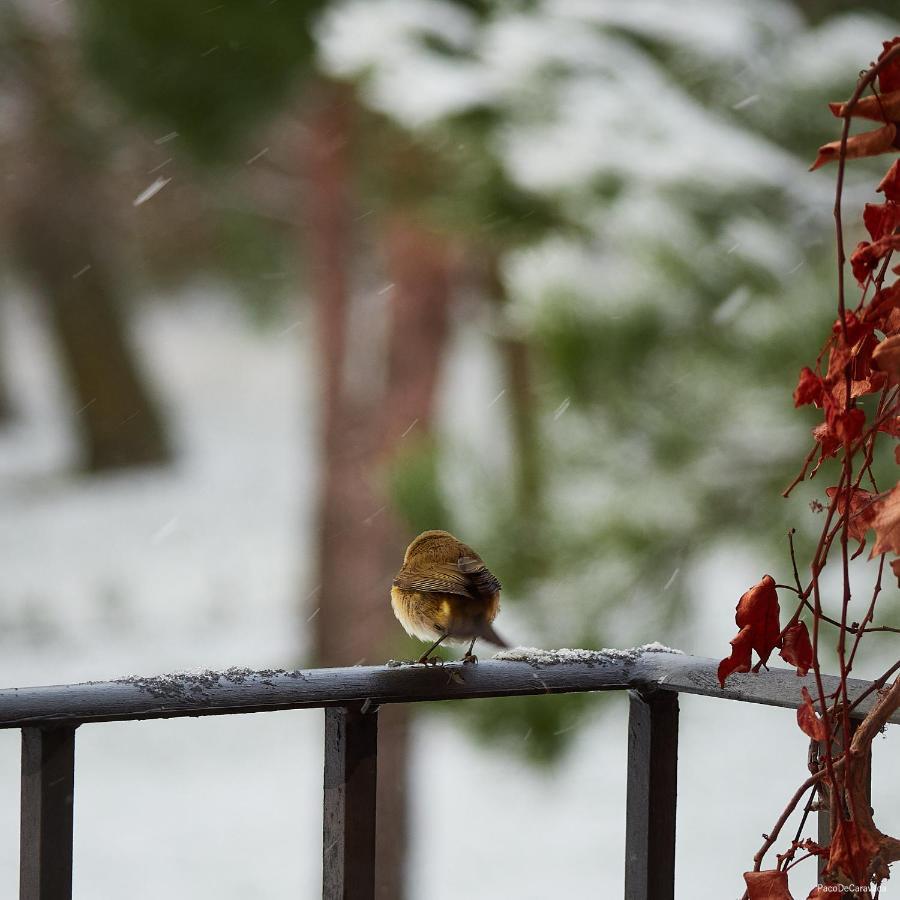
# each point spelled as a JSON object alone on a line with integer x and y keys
{"x": 470, "y": 659}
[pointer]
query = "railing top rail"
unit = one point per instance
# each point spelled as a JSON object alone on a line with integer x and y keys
{"x": 545, "y": 672}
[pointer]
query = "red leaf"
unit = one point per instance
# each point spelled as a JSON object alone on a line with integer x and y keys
{"x": 828, "y": 442}
{"x": 739, "y": 661}
{"x": 869, "y": 143}
{"x": 849, "y": 425}
{"x": 895, "y": 566}
{"x": 851, "y": 852}
{"x": 758, "y": 608}
{"x": 809, "y": 722}
{"x": 884, "y": 108}
{"x": 880, "y": 218}
{"x": 864, "y": 259}
{"x": 845, "y": 424}
{"x": 889, "y": 76}
{"x": 810, "y": 388}
{"x": 768, "y": 885}
{"x": 862, "y": 262}
{"x": 890, "y": 184}
{"x": 890, "y": 323}
{"x": 882, "y": 305}
{"x": 839, "y": 358}
{"x": 820, "y": 892}
{"x": 886, "y": 244}
{"x": 886, "y": 522}
{"x": 857, "y": 329}
{"x": 757, "y": 617}
{"x": 862, "y": 511}
{"x": 872, "y": 384}
{"x": 886, "y": 357}
{"x": 796, "y": 648}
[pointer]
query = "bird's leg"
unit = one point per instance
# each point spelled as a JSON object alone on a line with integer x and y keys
{"x": 424, "y": 657}
{"x": 470, "y": 657}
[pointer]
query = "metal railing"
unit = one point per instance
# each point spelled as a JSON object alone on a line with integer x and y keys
{"x": 49, "y": 716}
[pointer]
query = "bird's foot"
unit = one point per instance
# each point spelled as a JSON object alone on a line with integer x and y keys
{"x": 431, "y": 660}
{"x": 470, "y": 659}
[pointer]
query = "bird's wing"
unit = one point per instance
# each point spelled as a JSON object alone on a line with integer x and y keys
{"x": 480, "y": 576}
{"x": 469, "y": 577}
{"x": 442, "y": 578}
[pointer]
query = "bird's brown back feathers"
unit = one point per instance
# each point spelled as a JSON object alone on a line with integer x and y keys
{"x": 436, "y": 562}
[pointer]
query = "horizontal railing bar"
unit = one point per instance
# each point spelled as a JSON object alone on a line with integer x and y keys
{"x": 245, "y": 691}
{"x": 774, "y": 687}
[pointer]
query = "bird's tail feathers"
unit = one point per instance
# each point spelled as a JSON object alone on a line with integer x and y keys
{"x": 487, "y": 633}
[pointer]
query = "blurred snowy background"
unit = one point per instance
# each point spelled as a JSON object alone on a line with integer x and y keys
{"x": 284, "y": 284}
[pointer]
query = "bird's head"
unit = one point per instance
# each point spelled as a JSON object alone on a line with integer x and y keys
{"x": 434, "y": 544}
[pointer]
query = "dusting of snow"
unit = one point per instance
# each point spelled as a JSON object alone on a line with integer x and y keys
{"x": 177, "y": 685}
{"x": 540, "y": 657}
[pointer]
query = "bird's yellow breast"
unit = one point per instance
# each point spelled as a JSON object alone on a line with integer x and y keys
{"x": 422, "y": 616}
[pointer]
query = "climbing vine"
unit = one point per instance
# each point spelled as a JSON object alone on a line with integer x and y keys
{"x": 855, "y": 382}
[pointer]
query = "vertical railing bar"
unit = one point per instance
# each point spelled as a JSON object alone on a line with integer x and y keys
{"x": 48, "y": 784}
{"x": 351, "y": 764}
{"x": 823, "y": 815}
{"x": 652, "y": 796}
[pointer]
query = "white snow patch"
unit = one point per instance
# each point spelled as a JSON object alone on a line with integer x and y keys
{"x": 539, "y": 656}
{"x": 384, "y": 39}
{"x": 609, "y": 107}
{"x": 842, "y": 44}
{"x": 717, "y": 29}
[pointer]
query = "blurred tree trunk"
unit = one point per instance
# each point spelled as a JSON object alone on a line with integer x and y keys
{"x": 62, "y": 242}
{"x": 419, "y": 264}
{"x": 350, "y": 598}
{"x": 7, "y": 411}
{"x": 118, "y": 422}
{"x": 419, "y": 268}
{"x": 516, "y": 356}
{"x": 363, "y": 416}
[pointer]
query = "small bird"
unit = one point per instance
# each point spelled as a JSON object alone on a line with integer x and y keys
{"x": 445, "y": 592}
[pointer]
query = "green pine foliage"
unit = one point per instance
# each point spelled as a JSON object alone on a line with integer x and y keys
{"x": 210, "y": 71}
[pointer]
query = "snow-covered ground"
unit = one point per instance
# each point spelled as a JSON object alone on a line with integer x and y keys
{"x": 203, "y": 566}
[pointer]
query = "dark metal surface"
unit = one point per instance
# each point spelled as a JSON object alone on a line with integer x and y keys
{"x": 243, "y": 691}
{"x": 775, "y": 687}
{"x": 652, "y": 794}
{"x": 351, "y": 755}
{"x": 48, "y": 780}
